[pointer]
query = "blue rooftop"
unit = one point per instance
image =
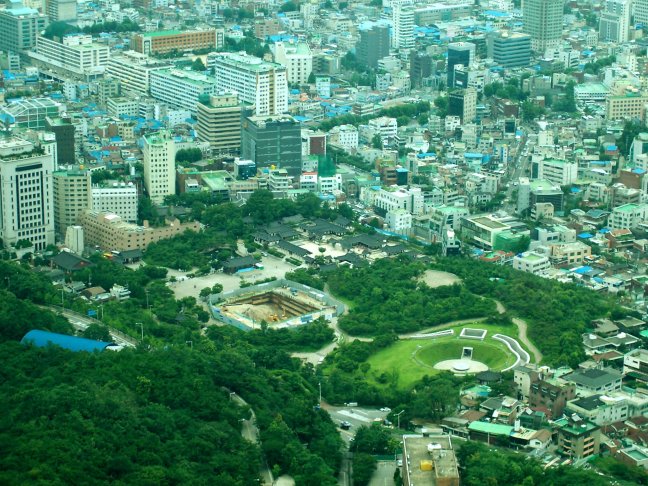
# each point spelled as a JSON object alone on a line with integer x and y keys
{"x": 586, "y": 235}
{"x": 42, "y": 339}
{"x": 583, "y": 270}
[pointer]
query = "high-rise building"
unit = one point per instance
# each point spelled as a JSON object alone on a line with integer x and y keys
{"x": 164, "y": 41}
{"x": 27, "y": 206}
{"x": 403, "y": 24}
{"x": 257, "y": 82}
{"x": 269, "y": 141}
{"x": 296, "y": 58}
{"x": 61, "y": 10}
{"x": 511, "y": 49}
{"x": 64, "y": 133}
{"x": 420, "y": 67}
{"x": 75, "y": 56}
{"x": 373, "y": 44}
{"x": 614, "y": 24}
{"x": 543, "y": 21}
{"x": 459, "y": 54}
{"x": 71, "y": 197}
{"x": 19, "y": 27}
{"x": 159, "y": 165}
{"x": 463, "y": 103}
{"x": 219, "y": 122}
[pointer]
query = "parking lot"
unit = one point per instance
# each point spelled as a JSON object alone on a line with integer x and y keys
{"x": 356, "y": 416}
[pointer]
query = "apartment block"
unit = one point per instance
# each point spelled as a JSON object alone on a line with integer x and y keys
{"x": 297, "y": 58}
{"x": 19, "y": 26}
{"x": 159, "y": 166}
{"x": 133, "y": 70}
{"x": 256, "y": 82}
{"x": 119, "y": 198}
{"x": 631, "y": 105}
{"x": 181, "y": 89}
{"x": 75, "y": 56}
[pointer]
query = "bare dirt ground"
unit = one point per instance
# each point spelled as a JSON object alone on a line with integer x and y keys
{"x": 436, "y": 278}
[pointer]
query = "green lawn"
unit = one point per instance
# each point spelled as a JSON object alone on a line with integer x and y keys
{"x": 412, "y": 359}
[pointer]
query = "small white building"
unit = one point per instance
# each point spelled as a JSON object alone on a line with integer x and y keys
{"x": 119, "y": 198}
{"x": 399, "y": 221}
{"x": 531, "y": 262}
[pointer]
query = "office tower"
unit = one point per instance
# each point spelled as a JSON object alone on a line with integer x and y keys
{"x": 181, "y": 89}
{"x": 161, "y": 42}
{"x": 543, "y": 20}
{"x": 64, "y": 133}
{"x": 420, "y": 68}
{"x": 257, "y": 82}
{"x": 297, "y": 58}
{"x": 614, "y": 24}
{"x": 159, "y": 165}
{"x": 402, "y": 24}
{"x": 61, "y": 10}
{"x": 27, "y": 206}
{"x": 71, "y": 197}
{"x": 463, "y": 103}
{"x": 108, "y": 88}
{"x": 459, "y": 53}
{"x": 373, "y": 44}
{"x": 19, "y": 27}
{"x": 219, "y": 122}
{"x": 275, "y": 140}
{"x": 511, "y": 50}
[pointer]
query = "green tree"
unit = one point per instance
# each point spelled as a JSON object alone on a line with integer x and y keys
{"x": 97, "y": 332}
{"x": 377, "y": 141}
{"x": 188, "y": 155}
{"x": 364, "y": 466}
{"x": 198, "y": 65}
{"x": 289, "y": 6}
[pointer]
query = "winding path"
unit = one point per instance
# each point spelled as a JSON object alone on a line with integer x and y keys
{"x": 521, "y": 324}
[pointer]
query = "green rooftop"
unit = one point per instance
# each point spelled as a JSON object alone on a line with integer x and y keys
{"x": 491, "y": 428}
{"x": 626, "y": 208}
{"x": 161, "y": 33}
{"x": 575, "y": 428}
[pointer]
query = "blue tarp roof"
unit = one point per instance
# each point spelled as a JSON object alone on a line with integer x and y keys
{"x": 586, "y": 235}
{"x": 583, "y": 270}
{"x": 73, "y": 343}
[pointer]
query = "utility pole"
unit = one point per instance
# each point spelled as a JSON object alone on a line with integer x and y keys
{"x": 398, "y": 417}
{"x": 142, "y": 327}
{"x": 320, "y": 392}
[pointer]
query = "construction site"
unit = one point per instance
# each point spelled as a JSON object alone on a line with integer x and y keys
{"x": 277, "y": 304}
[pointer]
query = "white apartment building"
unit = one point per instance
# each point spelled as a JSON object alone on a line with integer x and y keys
{"x": 614, "y": 24}
{"x": 559, "y": 172}
{"x": 71, "y": 190}
{"x": 628, "y": 216}
{"x": 393, "y": 198}
{"x": 26, "y": 195}
{"x": 159, "y": 166}
{"x": 279, "y": 180}
{"x": 345, "y": 136}
{"x": 123, "y": 106}
{"x": 181, "y": 89}
{"x": 75, "y": 56}
{"x": 399, "y": 221}
{"x": 384, "y": 126}
{"x": 327, "y": 185}
{"x": 257, "y": 82}
{"x": 296, "y": 58}
{"x": 133, "y": 70}
{"x": 531, "y": 262}
{"x": 119, "y": 198}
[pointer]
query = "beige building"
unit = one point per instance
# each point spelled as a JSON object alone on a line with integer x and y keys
{"x": 110, "y": 232}
{"x": 629, "y": 106}
{"x": 570, "y": 253}
{"x": 219, "y": 122}
{"x": 72, "y": 196}
{"x": 159, "y": 166}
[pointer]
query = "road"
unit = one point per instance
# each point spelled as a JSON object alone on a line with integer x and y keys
{"x": 519, "y": 167}
{"x": 522, "y": 336}
{"x": 81, "y": 323}
{"x": 384, "y": 474}
{"x": 250, "y": 432}
{"x": 356, "y": 416}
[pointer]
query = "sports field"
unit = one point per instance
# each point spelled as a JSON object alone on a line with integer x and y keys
{"x": 412, "y": 359}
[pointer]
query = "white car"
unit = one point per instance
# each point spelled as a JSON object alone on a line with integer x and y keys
{"x": 385, "y": 409}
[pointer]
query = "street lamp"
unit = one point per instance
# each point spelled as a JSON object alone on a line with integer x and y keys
{"x": 320, "y": 391}
{"x": 142, "y": 327}
{"x": 398, "y": 417}
{"x": 147, "y": 300}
